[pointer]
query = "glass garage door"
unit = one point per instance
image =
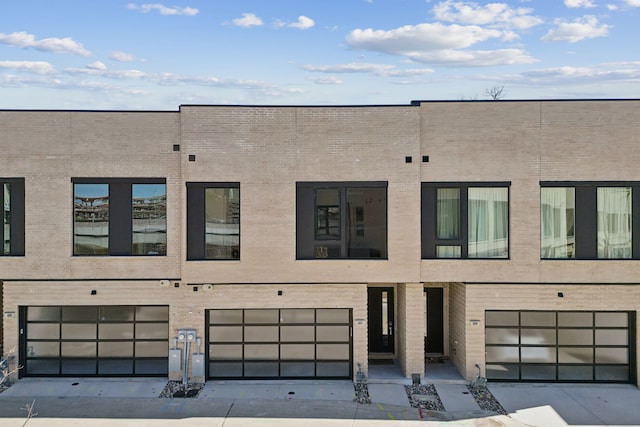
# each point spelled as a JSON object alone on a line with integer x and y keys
{"x": 95, "y": 340}
{"x": 576, "y": 346}
{"x": 279, "y": 343}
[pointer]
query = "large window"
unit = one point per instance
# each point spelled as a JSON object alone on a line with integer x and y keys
{"x": 213, "y": 221}
{"x": 120, "y": 216}
{"x": 588, "y": 220}
{"x": 341, "y": 220}
{"x": 465, "y": 220}
{"x": 12, "y": 201}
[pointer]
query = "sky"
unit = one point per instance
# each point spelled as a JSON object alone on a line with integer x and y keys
{"x": 122, "y": 55}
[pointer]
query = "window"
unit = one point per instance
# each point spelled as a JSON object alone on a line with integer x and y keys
{"x": 341, "y": 220}
{"x": 465, "y": 220}
{"x": 120, "y": 216}
{"x": 213, "y": 221}
{"x": 12, "y": 231}
{"x": 588, "y": 220}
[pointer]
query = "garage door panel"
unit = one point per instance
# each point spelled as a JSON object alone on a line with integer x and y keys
{"x": 279, "y": 343}
{"x": 95, "y": 340}
{"x": 559, "y": 346}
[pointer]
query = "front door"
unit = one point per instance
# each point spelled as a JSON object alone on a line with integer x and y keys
{"x": 380, "y": 312}
{"x": 434, "y": 340}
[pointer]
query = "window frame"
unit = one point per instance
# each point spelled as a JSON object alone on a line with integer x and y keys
{"x": 196, "y": 219}
{"x": 429, "y": 219}
{"x": 120, "y": 192}
{"x": 586, "y": 218}
{"x": 16, "y": 219}
{"x": 307, "y": 220}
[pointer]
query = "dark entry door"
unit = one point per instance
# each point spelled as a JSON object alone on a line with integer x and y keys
{"x": 381, "y": 315}
{"x": 434, "y": 342}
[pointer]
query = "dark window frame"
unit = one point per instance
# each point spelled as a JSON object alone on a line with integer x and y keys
{"x": 196, "y": 219}
{"x": 120, "y": 213}
{"x": 428, "y": 218}
{"x": 17, "y": 216}
{"x": 586, "y": 218}
{"x": 307, "y": 238}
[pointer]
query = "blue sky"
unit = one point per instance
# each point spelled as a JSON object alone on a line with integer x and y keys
{"x": 110, "y": 54}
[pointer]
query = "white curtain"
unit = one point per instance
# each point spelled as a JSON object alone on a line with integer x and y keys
{"x": 448, "y": 213}
{"x": 614, "y": 222}
{"x": 488, "y": 222}
{"x": 557, "y": 230}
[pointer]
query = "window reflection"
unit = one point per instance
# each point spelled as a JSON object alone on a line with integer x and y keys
{"x": 91, "y": 219}
{"x": 222, "y": 223}
{"x": 149, "y": 209}
{"x": 6, "y": 219}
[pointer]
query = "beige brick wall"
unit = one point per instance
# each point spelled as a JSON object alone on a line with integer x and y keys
{"x": 457, "y": 328}
{"x": 409, "y": 325}
{"x": 186, "y": 307}
{"x": 482, "y": 297}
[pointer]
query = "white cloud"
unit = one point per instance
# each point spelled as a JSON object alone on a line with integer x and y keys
{"x": 123, "y": 57}
{"x": 492, "y": 14}
{"x": 385, "y": 70}
{"x": 326, "y": 80}
{"x": 596, "y": 73}
{"x": 38, "y": 67}
{"x": 52, "y": 44}
{"x": 437, "y": 43}
{"x": 579, "y": 3}
{"x": 586, "y": 27}
{"x": 303, "y": 23}
{"x": 633, "y": 3}
{"x": 163, "y": 10}
{"x": 248, "y": 20}
{"x": 612, "y": 7}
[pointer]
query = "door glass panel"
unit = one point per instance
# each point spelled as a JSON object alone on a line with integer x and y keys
{"x": 332, "y": 351}
{"x": 78, "y": 366}
{"x": 152, "y": 330}
{"x": 43, "y": 314}
{"x": 297, "y": 369}
{"x": 233, "y": 370}
{"x": 43, "y": 331}
{"x": 115, "y": 331}
{"x": 151, "y": 367}
{"x": 115, "y": 349}
{"x": 260, "y": 333}
{"x": 501, "y": 336}
{"x": 79, "y": 314}
{"x": 297, "y": 333}
{"x": 612, "y": 355}
{"x": 43, "y": 349}
{"x": 538, "y": 336}
{"x": 332, "y": 369}
{"x": 261, "y": 316}
{"x": 575, "y": 336}
{"x": 538, "y": 354}
{"x": 501, "y": 318}
{"x": 152, "y": 313}
{"x": 612, "y": 337}
{"x": 612, "y": 320}
{"x": 261, "y": 351}
{"x": 538, "y": 318}
{"x": 225, "y": 333}
{"x": 612, "y": 373}
{"x": 338, "y": 315}
{"x": 297, "y": 316}
{"x": 537, "y": 372}
{"x": 78, "y": 349}
{"x": 503, "y": 354}
{"x": 575, "y": 373}
{"x": 226, "y": 351}
{"x": 152, "y": 349}
{"x": 43, "y": 367}
{"x": 225, "y": 316}
{"x": 116, "y": 314}
{"x": 502, "y": 372}
{"x": 575, "y": 354}
{"x": 261, "y": 369}
{"x": 79, "y": 331}
{"x": 385, "y": 314}
{"x": 297, "y": 351}
{"x": 115, "y": 367}
{"x": 332, "y": 333}
{"x": 575, "y": 319}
